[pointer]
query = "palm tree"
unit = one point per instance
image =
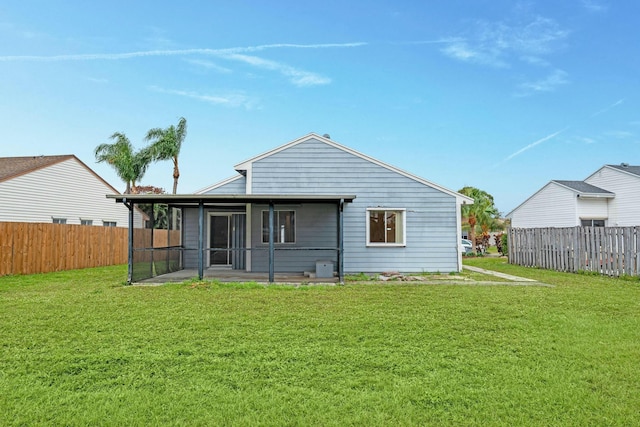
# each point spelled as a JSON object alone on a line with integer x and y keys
{"x": 166, "y": 144}
{"x": 130, "y": 166}
{"x": 482, "y": 212}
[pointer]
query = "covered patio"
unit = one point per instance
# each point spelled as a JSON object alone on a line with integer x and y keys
{"x": 151, "y": 262}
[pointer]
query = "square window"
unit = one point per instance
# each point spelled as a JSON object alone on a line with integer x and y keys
{"x": 386, "y": 227}
{"x": 284, "y": 225}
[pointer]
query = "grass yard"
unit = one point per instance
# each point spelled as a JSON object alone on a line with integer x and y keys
{"x": 79, "y": 348}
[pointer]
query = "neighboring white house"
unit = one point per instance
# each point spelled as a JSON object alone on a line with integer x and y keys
{"x": 608, "y": 197}
{"x": 58, "y": 189}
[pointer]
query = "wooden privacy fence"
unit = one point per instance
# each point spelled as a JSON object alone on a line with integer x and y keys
{"x": 28, "y": 248}
{"x": 613, "y": 251}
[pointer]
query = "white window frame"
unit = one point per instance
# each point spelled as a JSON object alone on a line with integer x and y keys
{"x": 109, "y": 223}
{"x": 58, "y": 220}
{"x": 403, "y": 213}
{"x": 85, "y": 221}
{"x": 277, "y": 235}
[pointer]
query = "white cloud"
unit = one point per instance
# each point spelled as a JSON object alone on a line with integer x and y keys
{"x": 619, "y": 134}
{"x": 594, "y": 6}
{"x": 499, "y": 43}
{"x": 297, "y": 77}
{"x": 228, "y": 100}
{"x": 210, "y": 65}
{"x": 547, "y": 84}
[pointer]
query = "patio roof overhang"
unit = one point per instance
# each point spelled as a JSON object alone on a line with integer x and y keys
{"x": 202, "y": 200}
{"x": 196, "y": 199}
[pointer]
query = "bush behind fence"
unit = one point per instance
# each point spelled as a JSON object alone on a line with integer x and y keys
{"x": 612, "y": 251}
{"x": 29, "y": 248}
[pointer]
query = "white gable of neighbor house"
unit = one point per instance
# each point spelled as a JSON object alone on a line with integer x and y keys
{"x": 624, "y": 208}
{"x": 552, "y": 206}
{"x": 67, "y": 189}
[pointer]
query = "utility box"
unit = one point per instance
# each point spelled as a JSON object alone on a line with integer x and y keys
{"x": 324, "y": 269}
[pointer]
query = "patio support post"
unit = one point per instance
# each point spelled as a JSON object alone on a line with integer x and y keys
{"x": 153, "y": 226}
{"x": 200, "y": 240}
{"x": 271, "y": 244}
{"x": 130, "y": 237}
{"x": 341, "y": 241}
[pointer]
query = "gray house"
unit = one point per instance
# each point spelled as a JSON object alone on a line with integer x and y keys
{"x": 313, "y": 205}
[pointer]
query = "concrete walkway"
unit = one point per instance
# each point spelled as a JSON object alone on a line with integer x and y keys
{"x": 509, "y": 277}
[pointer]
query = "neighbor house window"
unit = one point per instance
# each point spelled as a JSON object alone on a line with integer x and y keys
{"x": 592, "y": 222}
{"x": 284, "y": 226}
{"x": 109, "y": 223}
{"x": 86, "y": 221}
{"x": 386, "y": 227}
{"x": 59, "y": 220}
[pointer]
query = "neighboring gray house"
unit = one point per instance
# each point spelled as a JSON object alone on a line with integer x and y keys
{"x": 57, "y": 189}
{"x": 330, "y": 204}
{"x": 608, "y": 197}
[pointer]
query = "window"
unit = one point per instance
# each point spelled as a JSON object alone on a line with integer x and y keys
{"x": 284, "y": 226}
{"x": 592, "y": 222}
{"x": 59, "y": 220}
{"x": 385, "y": 227}
{"x": 109, "y": 223}
{"x": 86, "y": 221}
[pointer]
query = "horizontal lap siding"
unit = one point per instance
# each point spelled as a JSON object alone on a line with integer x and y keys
{"x": 316, "y": 226}
{"x": 63, "y": 190}
{"x": 551, "y": 206}
{"x": 313, "y": 167}
{"x": 237, "y": 186}
{"x": 624, "y": 209}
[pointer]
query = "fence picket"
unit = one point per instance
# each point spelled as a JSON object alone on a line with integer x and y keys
{"x": 613, "y": 251}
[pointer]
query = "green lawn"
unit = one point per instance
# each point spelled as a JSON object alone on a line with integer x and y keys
{"x": 79, "y": 348}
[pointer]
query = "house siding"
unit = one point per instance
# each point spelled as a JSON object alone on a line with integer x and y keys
{"x": 552, "y": 206}
{"x": 316, "y": 227}
{"x": 592, "y": 209}
{"x": 624, "y": 208}
{"x": 236, "y": 186}
{"x": 63, "y": 190}
{"x": 314, "y": 167}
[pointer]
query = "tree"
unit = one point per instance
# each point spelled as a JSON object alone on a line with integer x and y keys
{"x": 482, "y": 213}
{"x": 130, "y": 166}
{"x": 166, "y": 144}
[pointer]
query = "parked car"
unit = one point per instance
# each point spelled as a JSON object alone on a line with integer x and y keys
{"x": 467, "y": 247}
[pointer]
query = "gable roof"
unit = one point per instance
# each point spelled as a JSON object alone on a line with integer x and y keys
{"x": 581, "y": 188}
{"x": 584, "y": 189}
{"x": 245, "y": 165}
{"x": 624, "y": 167}
{"x": 12, "y": 167}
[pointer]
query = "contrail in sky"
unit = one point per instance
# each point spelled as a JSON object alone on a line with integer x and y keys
{"x": 176, "y": 52}
{"x": 604, "y": 110}
{"x": 533, "y": 144}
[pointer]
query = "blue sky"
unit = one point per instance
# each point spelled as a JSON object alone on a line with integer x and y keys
{"x": 500, "y": 95}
